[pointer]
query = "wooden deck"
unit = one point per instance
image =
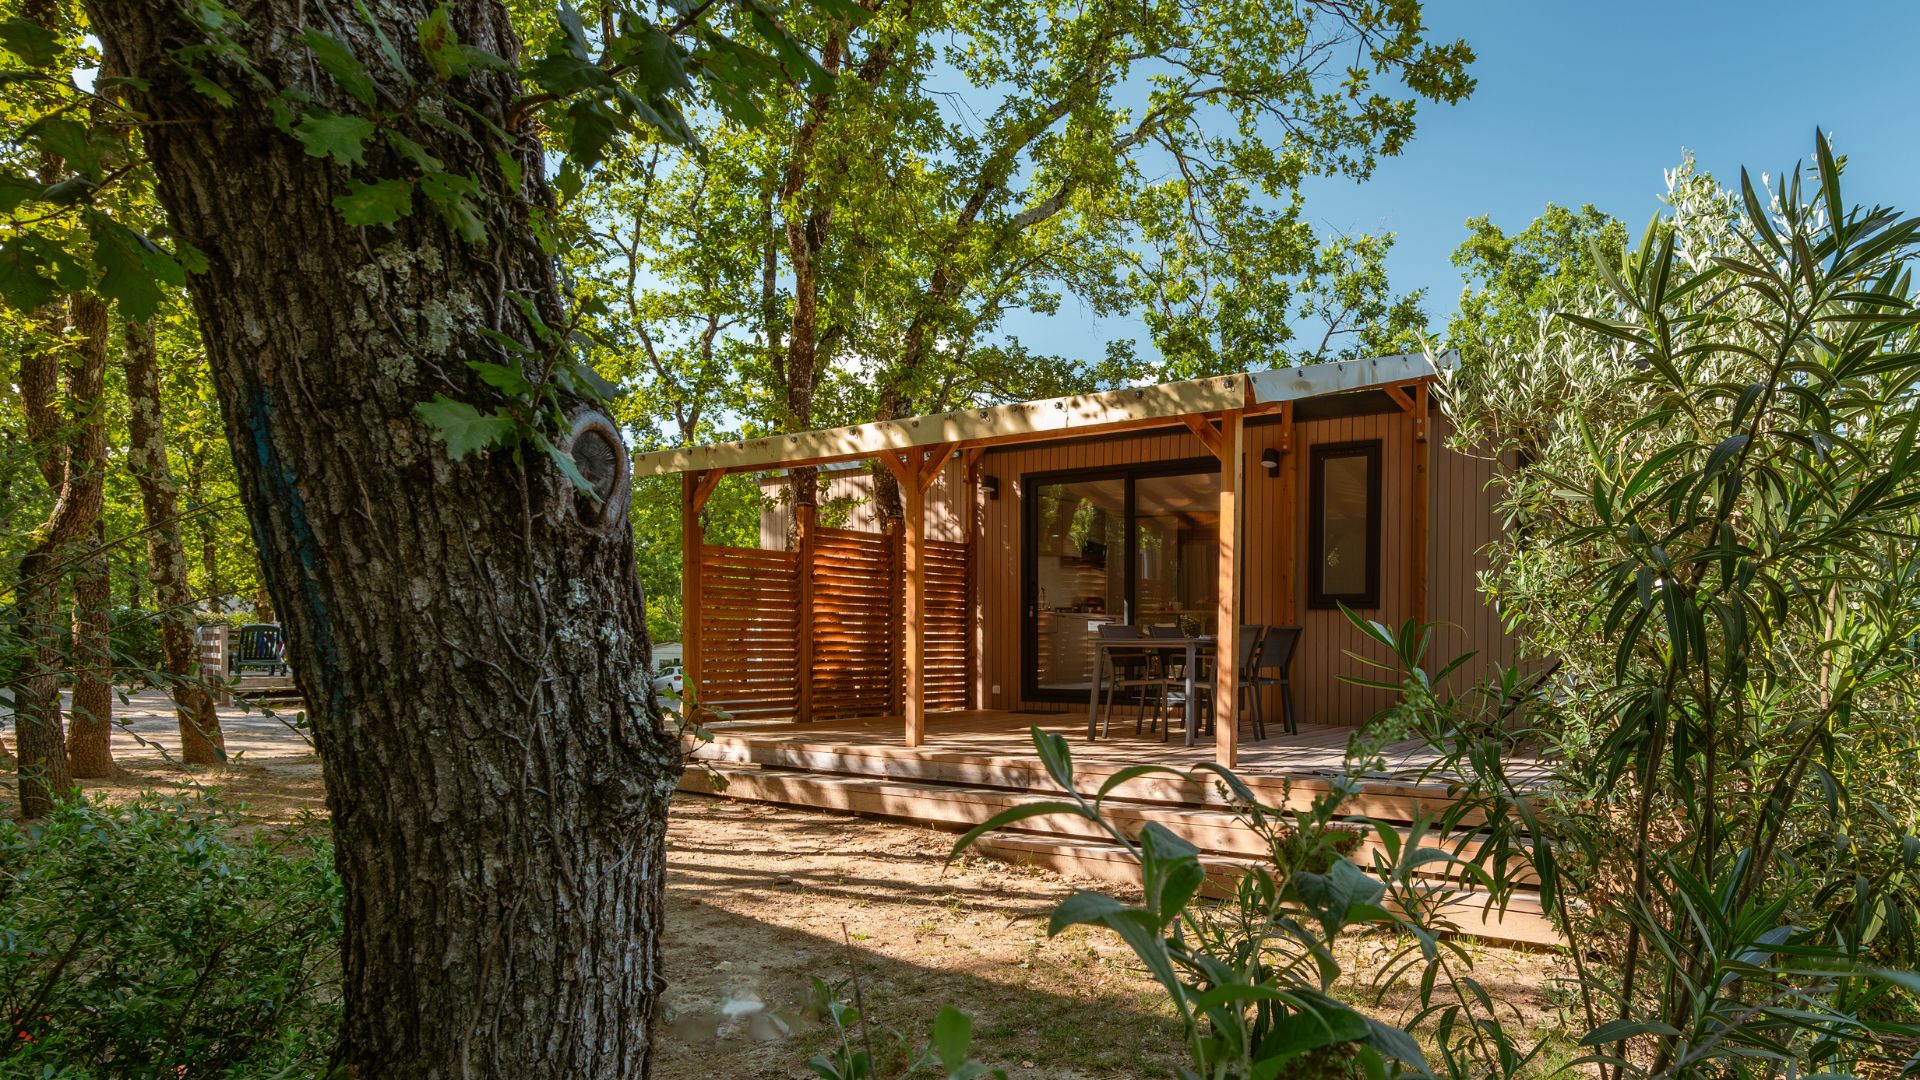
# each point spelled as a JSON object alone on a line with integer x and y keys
{"x": 975, "y": 764}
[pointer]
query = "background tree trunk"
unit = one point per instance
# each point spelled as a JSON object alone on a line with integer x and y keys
{"x": 65, "y": 446}
{"x": 90, "y": 721}
{"x": 471, "y": 645}
{"x": 201, "y": 742}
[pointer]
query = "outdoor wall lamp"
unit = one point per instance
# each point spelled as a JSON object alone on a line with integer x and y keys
{"x": 992, "y": 486}
{"x": 1270, "y": 461}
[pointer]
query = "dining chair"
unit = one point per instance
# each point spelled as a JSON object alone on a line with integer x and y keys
{"x": 1251, "y": 635}
{"x": 1277, "y": 647}
{"x": 1126, "y": 670}
{"x": 1172, "y": 672}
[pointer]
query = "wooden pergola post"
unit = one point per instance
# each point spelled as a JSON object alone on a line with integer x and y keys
{"x": 694, "y": 489}
{"x": 1233, "y": 516}
{"x": 805, "y": 524}
{"x": 915, "y": 475}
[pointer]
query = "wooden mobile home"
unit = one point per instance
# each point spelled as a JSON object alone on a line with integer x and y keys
{"x": 895, "y": 668}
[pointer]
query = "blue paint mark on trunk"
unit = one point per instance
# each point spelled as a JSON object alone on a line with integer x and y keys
{"x": 274, "y": 484}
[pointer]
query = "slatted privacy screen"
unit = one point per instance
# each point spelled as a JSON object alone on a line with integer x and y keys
{"x": 856, "y": 616}
{"x": 752, "y": 617}
{"x": 946, "y": 644}
{"x": 749, "y": 613}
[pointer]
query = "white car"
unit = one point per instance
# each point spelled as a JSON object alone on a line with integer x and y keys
{"x": 669, "y": 679}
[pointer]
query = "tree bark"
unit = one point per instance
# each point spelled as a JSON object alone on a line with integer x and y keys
{"x": 201, "y": 742}
{"x": 470, "y": 641}
{"x": 66, "y": 446}
{"x": 90, "y": 721}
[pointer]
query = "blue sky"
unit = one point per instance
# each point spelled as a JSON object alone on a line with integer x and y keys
{"x": 1590, "y": 102}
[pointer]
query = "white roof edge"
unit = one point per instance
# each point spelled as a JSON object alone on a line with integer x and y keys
{"x": 1315, "y": 380}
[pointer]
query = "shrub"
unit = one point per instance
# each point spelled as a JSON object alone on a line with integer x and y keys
{"x": 152, "y": 939}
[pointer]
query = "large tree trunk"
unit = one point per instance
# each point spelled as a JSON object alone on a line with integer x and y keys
{"x": 90, "y": 721}
{"x": 201, "y": 742}
{"x": 469, "y": 635}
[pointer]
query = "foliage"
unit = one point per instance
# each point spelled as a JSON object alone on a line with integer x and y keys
{"x": 840, "y": 255}
{"x": 1251, "y": 978}
{"x": 1720, "y": 499}
{"x": 150, "y": 939}
{"x": 854, "y": 1057}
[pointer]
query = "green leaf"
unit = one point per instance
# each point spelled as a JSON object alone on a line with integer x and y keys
{"x": 1332, "y": 897}
{"x": 509, "y": 169}
{"x": 566, "y": 463}
{"x": 133, "y": 270}
{"x": 1008, "y": 817}
{"x": 952, "y": 1031}
{"x": 509, "y": 380}
{"x": 441, "y": 46}
{"x": 342, "y": 138}
{"x": 561, "y": 74}
{"x": 34, "y": 45}
{"x": 71, "y": 141}
{"x": 31, "y": 272}
{"x": 448, "y": 192}
{"x": 1616, "y": 1030}
{"x": 464, "y": 428}
{"x": 421, "y": 157}
{"x": 339, "y": 61}
{"x": 845, "y": 9}
{"x": 1083, "y": 908}
{"x": 382, "y": 202}
{"x": 17, "y": 190}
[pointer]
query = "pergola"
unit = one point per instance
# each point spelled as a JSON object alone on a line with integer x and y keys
{"x": 915, "y": 449}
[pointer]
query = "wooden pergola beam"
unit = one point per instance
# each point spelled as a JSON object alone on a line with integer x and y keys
{"x": 1204, "y": 430}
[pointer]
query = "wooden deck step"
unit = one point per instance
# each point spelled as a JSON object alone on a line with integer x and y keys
{"x": 1228, "y": 843}
{"x": 1385, "y": 800}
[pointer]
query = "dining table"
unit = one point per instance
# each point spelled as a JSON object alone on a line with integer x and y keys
{"x": 1191, "y": 648}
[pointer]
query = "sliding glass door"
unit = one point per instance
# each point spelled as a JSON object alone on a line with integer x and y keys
{"x": 1114, "y": 545}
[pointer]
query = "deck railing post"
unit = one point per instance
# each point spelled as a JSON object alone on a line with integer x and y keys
{"x": 1226, "y": 663}
{"x": 805, "y": 523}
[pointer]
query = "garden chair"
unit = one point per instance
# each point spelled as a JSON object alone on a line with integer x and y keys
{"x": 1276, "y": 655}
{"x": 258, "y": 647}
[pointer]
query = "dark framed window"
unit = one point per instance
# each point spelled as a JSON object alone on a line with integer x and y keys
{"x": 1135, "y": 544}
{"x": 1343, "y": 525}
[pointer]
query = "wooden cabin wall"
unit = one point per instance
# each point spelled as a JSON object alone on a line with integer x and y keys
{"x": 1462, "y": 521}
{"x": 1466, "y": 520}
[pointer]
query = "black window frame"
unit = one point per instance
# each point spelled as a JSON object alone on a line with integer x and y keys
{"x": 1318, "y": 598}
{"x": 1030, "y": 689}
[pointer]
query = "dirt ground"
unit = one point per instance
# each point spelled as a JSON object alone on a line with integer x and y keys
{"x": 763, "y": 899}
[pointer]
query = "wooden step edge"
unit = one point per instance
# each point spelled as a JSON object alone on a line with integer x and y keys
{"x": 1211, "y": 828}
{"x": 1377, "y": 800}
{"x": 1217, "y": 833}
